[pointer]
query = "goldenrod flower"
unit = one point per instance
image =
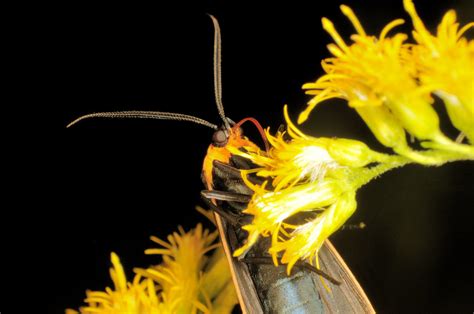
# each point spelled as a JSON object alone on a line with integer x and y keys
{"x": 180, "y": 273}
{"x": 445, "y": 63}
{"x": 187, "y": 281}
{"x": 378, "y": 79}
{"x": 308, "y": 174}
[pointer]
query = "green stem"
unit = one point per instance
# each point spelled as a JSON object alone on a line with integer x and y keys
{"x": 395, "y": 161}
{"x": 418, "y": 156}
{"x": 369, "y": 174}
{"x": 445, "y": 144}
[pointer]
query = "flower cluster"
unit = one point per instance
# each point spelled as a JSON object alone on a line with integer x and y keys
{"x": 187, "y": 281}
{"x": 391, "y": 83}
{"x": 306, "y": 175}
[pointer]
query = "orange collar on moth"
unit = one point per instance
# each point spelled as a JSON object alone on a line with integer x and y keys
{"x": 222, "y": 154}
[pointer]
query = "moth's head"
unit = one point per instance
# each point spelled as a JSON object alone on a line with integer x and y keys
{"x": 220, "y": 137}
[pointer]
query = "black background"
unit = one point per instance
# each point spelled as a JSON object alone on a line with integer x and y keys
{"x": 109, "y": 185}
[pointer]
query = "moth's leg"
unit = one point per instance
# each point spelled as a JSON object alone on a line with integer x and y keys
{"x": 229, "y": 172}
{"x": 242, "y": 162}
{"x": 318, "y": 271}
{"x": 233, "y": 219}
{"x": 225, "y": 172}
{"x": 226, "y": 196}
{"x": 268, "y": 260}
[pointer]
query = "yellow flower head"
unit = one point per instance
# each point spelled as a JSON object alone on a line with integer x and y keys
{"x": 318, "y": 175}
{"x": 187, "y": 281}
{"x": 305, "y": 240}
{"x": 364, "y": 73}
{"x": 270, "y": 210}
{"x": 305, "y": 158}
{"x": 371, "y": 73}
{"x": 445, "y": 64}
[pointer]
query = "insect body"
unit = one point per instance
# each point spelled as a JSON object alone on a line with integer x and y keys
{"x": 261, "y": 286}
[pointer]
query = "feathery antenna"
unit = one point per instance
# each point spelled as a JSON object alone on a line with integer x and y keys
{"x": 146, "y": 115}
{"x": 177, "y": 116}
{"x": 217, "y": 71}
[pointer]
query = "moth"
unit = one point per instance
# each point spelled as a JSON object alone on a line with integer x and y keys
{"x": 261, "y": 287}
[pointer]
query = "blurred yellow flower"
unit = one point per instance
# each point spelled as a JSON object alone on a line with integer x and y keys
{"x": 187, "y": 281}
{"x": 138, "y": 296}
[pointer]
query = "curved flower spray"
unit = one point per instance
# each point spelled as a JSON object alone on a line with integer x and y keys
{"x": 307, "y": 174}
{"x": 391, "y": 84}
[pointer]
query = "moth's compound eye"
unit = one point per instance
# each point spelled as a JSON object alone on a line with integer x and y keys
{"x": 219, "y": 138}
